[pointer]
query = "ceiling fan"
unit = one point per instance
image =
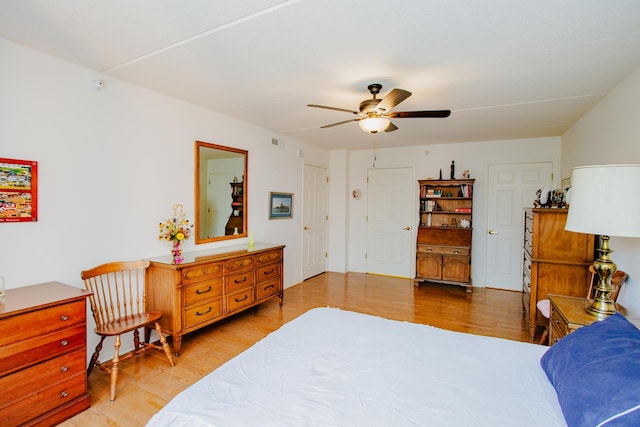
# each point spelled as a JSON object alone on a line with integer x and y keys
{"x": 375, "y": 114}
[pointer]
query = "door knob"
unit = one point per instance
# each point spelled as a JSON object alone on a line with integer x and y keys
{"x": 492, "y": 231}
{"x": 306, "y": 228}
{"x": 406, "y": 228}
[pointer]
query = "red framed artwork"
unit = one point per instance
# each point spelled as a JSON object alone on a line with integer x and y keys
{"x": 18, "y": 190}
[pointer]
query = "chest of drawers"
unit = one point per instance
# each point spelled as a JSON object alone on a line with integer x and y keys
{"x": 209, "y": 286}
{"x": 43, "y": 354}
{"x": 555, "y": 261}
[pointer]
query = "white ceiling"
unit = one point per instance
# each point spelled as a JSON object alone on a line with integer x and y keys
{"x": 507, "y": 69}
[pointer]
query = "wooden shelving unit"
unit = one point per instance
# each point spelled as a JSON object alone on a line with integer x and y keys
{"x": 443, "y": 249}
{"x": 235, "y": 222}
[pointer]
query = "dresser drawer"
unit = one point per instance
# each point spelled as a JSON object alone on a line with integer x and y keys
{"x": 526, "y": 268}
{"x": 202, "y": 291}
{"x": 239, "y": 281}
{"x": 202, "y": 313}
{"x": 237, "y": 264}
{"x": 268, "y": 257}
{"x": 239, "y": 299}
{"x": 268, "y": 272}
{"x": 38, "y": 323}
{"x": 201, "y": 272}
{"x": 44, "y": 400}
{"x": 23, "y": 383}
{"x": 266, "y": 289}
{"x": 443, "y": 250}
{"x": 558, "y": 324}
{"x": 29, "y": 352}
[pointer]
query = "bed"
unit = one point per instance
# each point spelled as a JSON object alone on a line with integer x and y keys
{"x": 331, "y": 367}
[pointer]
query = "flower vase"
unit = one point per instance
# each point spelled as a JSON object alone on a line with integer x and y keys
{"x": 176, "y": 252}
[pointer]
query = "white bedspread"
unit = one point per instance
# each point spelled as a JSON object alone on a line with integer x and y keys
{"x": 331, "y": 367}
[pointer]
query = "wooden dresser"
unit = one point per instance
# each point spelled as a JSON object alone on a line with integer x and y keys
{"x": 211, "y": 285}
{"x": 555, "y": 261}
{"x": 43, "y": 357}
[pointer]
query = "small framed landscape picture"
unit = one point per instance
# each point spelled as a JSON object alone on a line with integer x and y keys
{"x": 280, "y": 205}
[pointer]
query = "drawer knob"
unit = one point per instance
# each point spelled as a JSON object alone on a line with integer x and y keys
{"x": 64, "y": 317}
{"x": 64, "y": 369}
{"x": 456, "y": 251}
{"x": 244, "y": 279}
{"x": 269, "y": 272}
{"x": 242, "y": 299}
{"x": 269, "y": 287}
{"x": 64, "y": 394}
{"x": 64, "y": 343}
{"x": 199, "y": 292}
{"x": 202, "y": 314}
{"x": 429, "y": 250}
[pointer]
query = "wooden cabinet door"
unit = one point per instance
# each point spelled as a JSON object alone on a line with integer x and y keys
{"x": 429, "y": 266}
{"x": 455, "y": 268}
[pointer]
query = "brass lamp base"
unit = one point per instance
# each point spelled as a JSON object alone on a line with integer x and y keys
{"x": 602, "y": 305}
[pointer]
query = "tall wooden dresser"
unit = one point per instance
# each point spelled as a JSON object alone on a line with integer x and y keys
{"x": 43, "y": 354}
{"x": 555, "y": 261}
{"x": 212, "y": 285}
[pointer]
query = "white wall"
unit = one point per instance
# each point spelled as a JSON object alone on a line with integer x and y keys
{"x": 610, "y": 134}
{"x": 113, "y": 162}
{"x": 426, "y": 161}
{"x": 338, "y": 215}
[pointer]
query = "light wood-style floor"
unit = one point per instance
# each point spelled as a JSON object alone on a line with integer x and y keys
{"x": 146, "y": 384}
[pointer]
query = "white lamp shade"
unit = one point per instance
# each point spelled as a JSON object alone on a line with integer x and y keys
{"x": 374, "y": 124}
{"x": 605, "y": 200}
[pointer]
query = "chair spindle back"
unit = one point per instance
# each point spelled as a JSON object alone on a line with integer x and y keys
{"x": 118, "y": 290}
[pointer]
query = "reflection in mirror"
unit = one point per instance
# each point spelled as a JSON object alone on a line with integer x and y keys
{"x": 220, "y": 192}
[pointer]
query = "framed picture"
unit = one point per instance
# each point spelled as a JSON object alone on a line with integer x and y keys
{"x": 280, "y": 205}
{"x": 18, "y": 190}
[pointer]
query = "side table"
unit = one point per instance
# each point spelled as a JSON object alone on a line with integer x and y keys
{"x": 569, "y": 314}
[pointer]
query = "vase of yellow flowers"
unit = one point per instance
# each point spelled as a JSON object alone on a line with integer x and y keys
{"x": 176, "y": 229}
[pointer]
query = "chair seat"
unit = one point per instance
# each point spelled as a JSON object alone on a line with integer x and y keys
{"x": 544, "y": 305}
{"x": 129, "y": 323}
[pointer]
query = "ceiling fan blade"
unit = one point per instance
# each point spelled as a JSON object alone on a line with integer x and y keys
{"x": 332, "y": 108}
{"x": 393, "y": 98}
{"x": 339, "y": 123}
{"x": 391, "y": 128}
{"x": 407, "y": 114}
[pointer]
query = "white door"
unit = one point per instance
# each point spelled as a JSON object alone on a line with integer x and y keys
{"x": 218, "y": 204}
{"x": 314, "y": 240}
{"x": 512, "y": 187}
{"x": 390, "y": 205}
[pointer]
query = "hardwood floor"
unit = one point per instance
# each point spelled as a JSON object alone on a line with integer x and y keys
{"x": 147, "y": 383}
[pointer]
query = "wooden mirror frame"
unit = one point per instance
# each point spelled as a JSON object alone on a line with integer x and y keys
{"x": 204, "y": 153}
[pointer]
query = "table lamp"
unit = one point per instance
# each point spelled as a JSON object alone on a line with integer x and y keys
{"x": 604, "y": 200}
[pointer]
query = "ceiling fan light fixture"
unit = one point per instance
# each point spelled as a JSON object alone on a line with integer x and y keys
{"x": 374, "y": 124}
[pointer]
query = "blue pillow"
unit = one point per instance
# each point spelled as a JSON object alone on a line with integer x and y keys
{"x": 596, "y": 373}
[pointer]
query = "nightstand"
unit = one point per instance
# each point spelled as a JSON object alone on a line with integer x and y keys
{"x": 569, "y": 314}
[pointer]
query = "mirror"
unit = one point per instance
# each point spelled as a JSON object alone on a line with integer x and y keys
{"x": 220, "y": 192}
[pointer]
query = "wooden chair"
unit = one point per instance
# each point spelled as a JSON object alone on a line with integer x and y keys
{"x": 118, "y": 307}
{"x": 617, "y": 280}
